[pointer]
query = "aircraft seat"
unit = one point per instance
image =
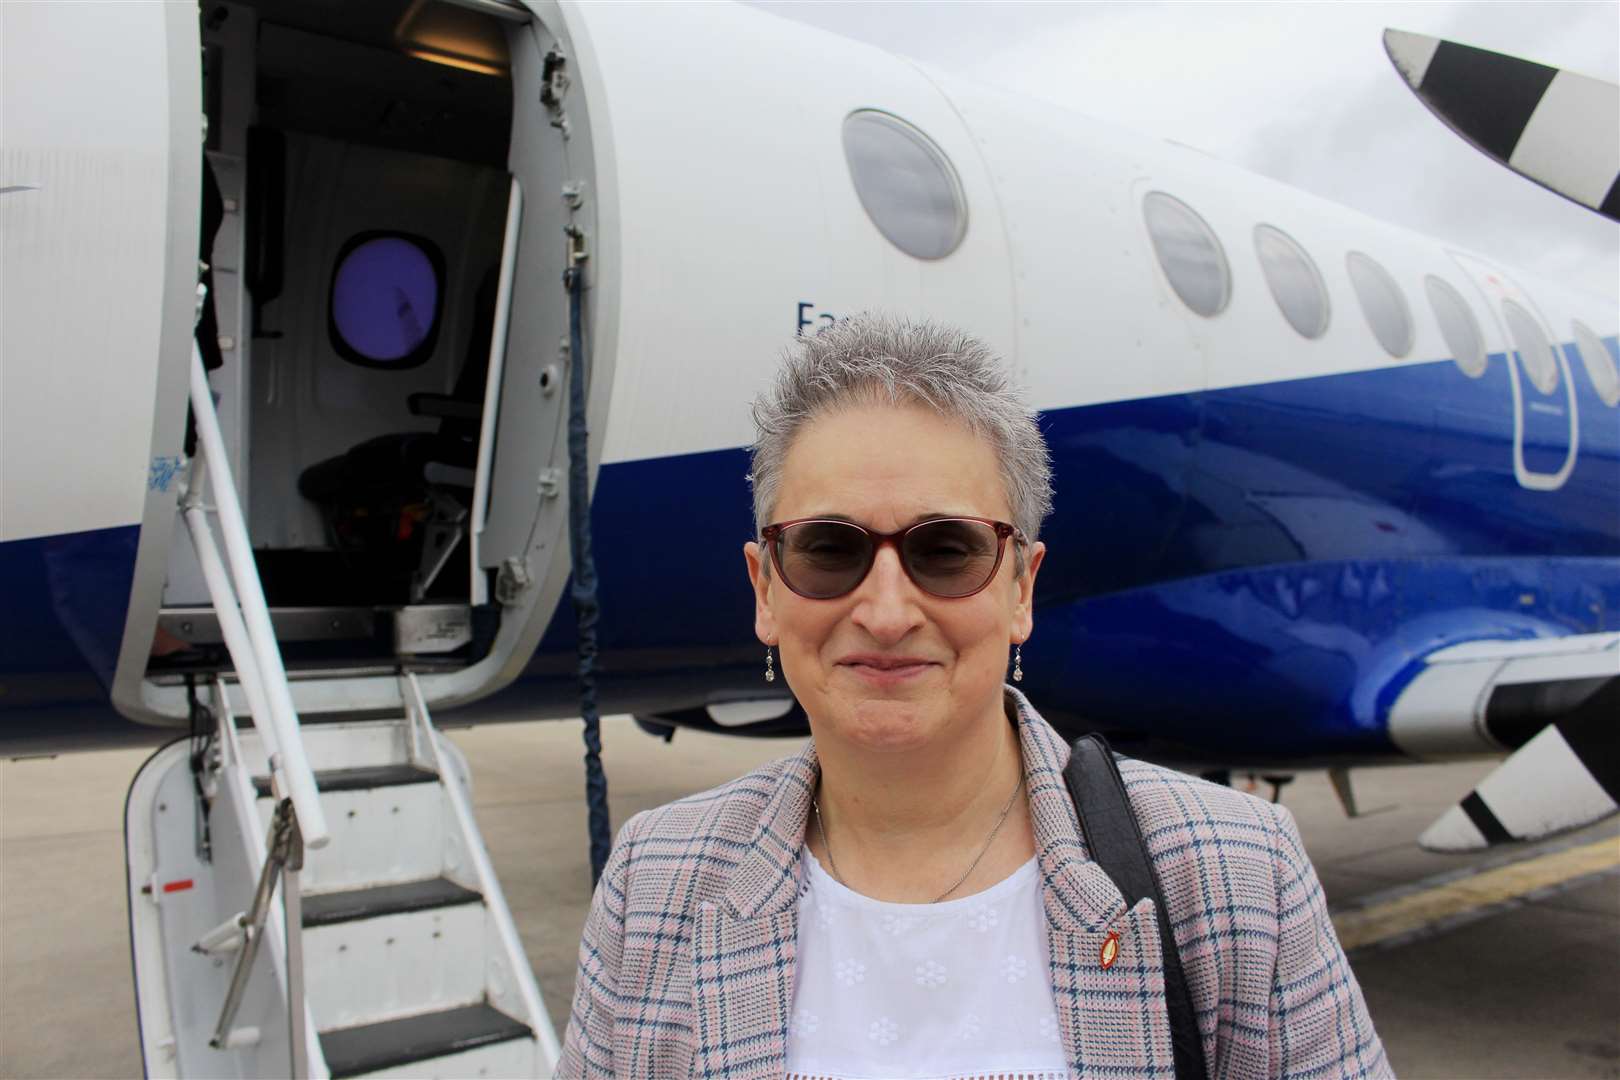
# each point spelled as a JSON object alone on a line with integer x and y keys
{"x": 376, "y": 494}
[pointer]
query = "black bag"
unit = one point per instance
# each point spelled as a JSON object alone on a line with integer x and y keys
{"x": 1116, "y": 844}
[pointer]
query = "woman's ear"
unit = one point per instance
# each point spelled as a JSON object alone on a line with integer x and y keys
{"x": 1024, "y": 606}
{"x": 759, "y": 576}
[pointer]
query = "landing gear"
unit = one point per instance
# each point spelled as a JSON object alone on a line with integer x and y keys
{"x": 1277, "y": 780}
{"x": 1223, "y": 777}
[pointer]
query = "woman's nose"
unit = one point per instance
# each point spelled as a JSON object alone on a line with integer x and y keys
{"x": 886, "y": 602}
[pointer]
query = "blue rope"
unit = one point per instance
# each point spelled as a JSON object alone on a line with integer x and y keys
{"x": 587, "y": 611}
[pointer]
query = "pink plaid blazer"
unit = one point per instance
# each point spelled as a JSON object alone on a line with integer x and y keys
{"x": 686, "y": 967}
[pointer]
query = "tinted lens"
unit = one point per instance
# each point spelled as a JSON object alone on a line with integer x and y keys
{"x": 951, "y": 557}
{"x": 823, "y": 559}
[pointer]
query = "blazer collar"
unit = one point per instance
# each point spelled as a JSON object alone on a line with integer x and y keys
{"x": 1077, "y": 893}
{"x": 766, "y": 879}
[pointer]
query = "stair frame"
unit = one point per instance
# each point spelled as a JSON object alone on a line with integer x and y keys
{"x": 232, "y": 785}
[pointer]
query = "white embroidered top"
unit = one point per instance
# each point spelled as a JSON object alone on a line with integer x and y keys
{"x": 956, "y": 990}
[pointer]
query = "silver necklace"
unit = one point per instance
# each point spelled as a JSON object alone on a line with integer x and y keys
{"x": 832, "y": 863}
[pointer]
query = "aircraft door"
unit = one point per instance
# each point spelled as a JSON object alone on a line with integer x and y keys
{"x": 99, "y": 180}
{"x": 1545, "y": 423}
{"x": 518, "y": 516}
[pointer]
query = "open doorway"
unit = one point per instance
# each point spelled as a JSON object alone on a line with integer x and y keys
{"x": 359, "y": 155}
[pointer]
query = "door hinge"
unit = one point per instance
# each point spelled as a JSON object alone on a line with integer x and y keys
{"x": 512, "y": 581}
{"x": 554, "y": 79}
{"x": 577, "y": 252}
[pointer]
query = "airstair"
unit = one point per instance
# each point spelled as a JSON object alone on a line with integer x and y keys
{"x": 310, "y": 896}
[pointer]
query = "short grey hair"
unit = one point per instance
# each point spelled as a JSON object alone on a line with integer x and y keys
{"x": 877, "y": 358}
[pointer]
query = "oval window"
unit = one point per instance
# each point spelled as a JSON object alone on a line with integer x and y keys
{"x": 1531, "y": 344}
{"x": 1294, "y": 281}
{"x": 1382, "y": 304}
{"x": 1599, "y": 363}
{"x": 1458, "y": 326}
{"x": 906, "y": 184}
{"x": 1189, "y": 252}
{"x": 384, "y": 304}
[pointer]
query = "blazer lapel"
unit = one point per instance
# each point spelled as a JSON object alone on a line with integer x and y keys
{"x": 742, "y": 983}
{"x": 745, "y": 946}
{"x": 1109, "y": 994}
{"x": 1112, "y": 1015}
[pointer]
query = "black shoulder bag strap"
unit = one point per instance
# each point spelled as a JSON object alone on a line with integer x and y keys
{"x": 1116, "y": 844}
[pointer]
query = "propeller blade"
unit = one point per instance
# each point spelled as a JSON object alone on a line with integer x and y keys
{"x": 1567, "y": 776}
{"x": 1555, "y": 127}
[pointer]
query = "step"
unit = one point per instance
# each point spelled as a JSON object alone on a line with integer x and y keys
{"x": 378, "y": 835}
{"x": 362, "y": 970}
{"x": 517, "y": 1058}
{"x": 349, "y": 905}
{"x": 359, "y": 779}
{"x": 335, "y": 744}
{"x": 391, "y": 1044}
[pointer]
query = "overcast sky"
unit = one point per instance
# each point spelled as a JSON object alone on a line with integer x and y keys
{"x": 1301, "y": 92}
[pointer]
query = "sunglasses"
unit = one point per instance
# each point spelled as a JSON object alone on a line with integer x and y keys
{"x": 951, "y": 558}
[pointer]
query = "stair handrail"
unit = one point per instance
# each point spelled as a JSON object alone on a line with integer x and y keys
{"x": 279, "y": 722}
{"x": 528, "y": 990}
{"x": 231, "y": 627}
{"x": 237, "y": 782}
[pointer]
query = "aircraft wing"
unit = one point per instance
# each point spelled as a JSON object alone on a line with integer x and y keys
{"x": 1555, "y": 127}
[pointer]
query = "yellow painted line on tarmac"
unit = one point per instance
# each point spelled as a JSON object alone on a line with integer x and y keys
{"x": 1406, "y": 914}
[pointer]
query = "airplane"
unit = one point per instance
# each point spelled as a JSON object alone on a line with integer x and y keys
{"x": 1330, "y": 493}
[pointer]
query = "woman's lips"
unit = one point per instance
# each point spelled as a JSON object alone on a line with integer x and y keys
{"x": 886, "y": 671}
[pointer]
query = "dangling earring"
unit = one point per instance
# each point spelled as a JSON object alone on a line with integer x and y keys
{"x": 770, "y": 672}
{"x": 1018, "y": 662}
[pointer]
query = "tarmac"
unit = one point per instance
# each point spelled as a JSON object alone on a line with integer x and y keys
{"x": 1503, "y": 964}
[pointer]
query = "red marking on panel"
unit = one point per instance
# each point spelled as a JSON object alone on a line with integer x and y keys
{"x": 177, "y": 886}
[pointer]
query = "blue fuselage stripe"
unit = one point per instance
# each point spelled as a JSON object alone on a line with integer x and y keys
{"x": 1273, "y": 552}
{"x": 1263, "y": 551}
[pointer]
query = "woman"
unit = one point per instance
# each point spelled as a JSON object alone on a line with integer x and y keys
{"x": 911, "y": 894}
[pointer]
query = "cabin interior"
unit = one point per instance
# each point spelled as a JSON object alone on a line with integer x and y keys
{"x": 354, "y": 217}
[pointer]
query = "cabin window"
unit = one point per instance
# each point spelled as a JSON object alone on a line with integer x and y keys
{"x": 906, "y": 184}
{"x": 1382, "y": 304}
{"x": 1531, "y": 344}
{"x": 1458, "y": 326}
{"x": 1294, "y": 281}
{"x": 1189, "y": 253}
{"x": 386, "y": 296}
{"x": 1599, "y": 363}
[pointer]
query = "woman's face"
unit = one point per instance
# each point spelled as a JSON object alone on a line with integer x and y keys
{"x": 886, "y": 467}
